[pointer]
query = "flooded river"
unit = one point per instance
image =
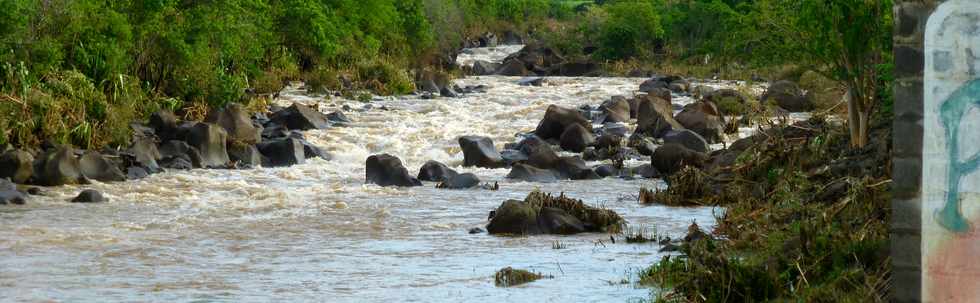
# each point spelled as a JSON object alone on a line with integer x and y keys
{"x": 316, "y": 232}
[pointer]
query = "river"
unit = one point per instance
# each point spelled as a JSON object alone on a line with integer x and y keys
{"x": 316, "y": 232}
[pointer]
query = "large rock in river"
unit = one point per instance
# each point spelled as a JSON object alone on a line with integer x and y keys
{"x": 300, "y": 117}
{"x": 557, "y": 119}
{"x": 703, "y": 118}
{"x": 387, "y": 170}
{"x": 435, "y": 171}
{"x": 210, "y": 140}
{"x": 616, "y": 109}
{"x": 576, "y": 138}
{"x": 541, "y": 213}
{"x": 16, "y": 165}
{"x": 655, "y": 116}
{"x": 480, "y": 152}
{"x": 57, "y": 166}
{"x": 237, "y": 123}
{"x": 672, "y": 157}
{"x": 688, "y": 139}
{"x": 530, "y": 173}
{"x": 95, "y": 166}
{"x": 283, "y": 152}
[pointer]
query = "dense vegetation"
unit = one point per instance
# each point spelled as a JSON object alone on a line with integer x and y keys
{"x": 78, "y": 71}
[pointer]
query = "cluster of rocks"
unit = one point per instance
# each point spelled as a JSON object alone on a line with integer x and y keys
{"x": 228, "y": 138}
{"x": 490, "y": 39}
{"x": 388, "y": 170}
{"x": 542, "y": 213}
{"x": 537, "y": 60}
{"x": 430, "y": 84}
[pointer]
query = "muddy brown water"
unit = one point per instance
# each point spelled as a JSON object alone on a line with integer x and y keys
{"x": 316, "y": 232}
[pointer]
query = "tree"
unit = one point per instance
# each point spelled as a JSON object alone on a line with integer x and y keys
{"x": 846, "y": 40}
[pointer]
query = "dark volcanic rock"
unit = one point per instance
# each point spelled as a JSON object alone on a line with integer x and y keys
{"x": 461, "y": 181}
{"x": 575, "y": 168}
{"x": 616, "y": 110}
{"x": 557, "y": 119}
{"x": 530, "y": 173}
{"x": 576, "y": 138}
{"x": 9, "y": 196}
{"x": 236, "y": 123}
{"x": 480, "y": 152}
{"x": 57, "y": 166}
{"x": 512, "y": 67}
{"x": 95, "y": 166}
{"x": 283, "y": 152}
{"x": 483, "y": 68}
{"x": 210, "y": 140}
{"x": 146, "y": 154}
{"x": 16, "y": 165}
{"x": 514, "y": 217}
{"x": 788, "y": 96}
{"x": 671, "y": 158}
{"x": 164, "y": 123}
{"x": 89, "y": 196}
{"x": 557, "y": 221}
{"x": 179, "y": 155}
{"x": 245, "y": 155}
{"x": 300, "y": 117}
{"x": 435, "y": 171}
{"x": 703, "y": 118}
{"x": 339, "y": 117}
{"x": 387, "y": 170}
{"x": 651, "y": 84}
{"x": 655, "y": 117}
{"x": 688, "y": 139}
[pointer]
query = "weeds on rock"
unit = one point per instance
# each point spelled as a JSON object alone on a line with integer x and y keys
{"x": 603, "y": 219}
{"x": 508, "y": 277}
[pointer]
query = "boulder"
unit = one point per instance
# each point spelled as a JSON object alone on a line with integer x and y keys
{"x": 530, "y": 173}
{"x": 164, "y": 123}
{"x": 461, "y": 181}
{"x": 283, "y": 152}
{"x": 57, "y": 166}
{"x": 300, "y": 117}
{"x": 483, "y": 68}
{"x": 16, "y": 165}
{"x": 576, "y": 138}
{"x": 557, "y": 221}
{"x": 511, "y": 156}
{"x": 557, "y": 119}
{"x": 245, "y": 155}
{"x": 646, "y": 171}
{"x": 574, "y": 168}
{"x": 616, "y": 110}
{"x": 606, "y": 170}
{"x": 703, "y": 118}
{"x": 619, "y": 129}
{"x": 512, "y": 67}
{"x": 480, "y": 152}
{"x": 145, "y": 153}
{"x": 671, "y": 158}
{"x": 179, "y": 155}
{"x": 788, "y": 96}
{"x": 530, "y": 144}
{"x": 89, "y": 196}
{"x": 435, "y": 171}
{"x": 514, "y": 217}
{"x": 687, "y": 138}
{"x": 655, "y": 117}
{"x": 210, "y": 140}
{"x": 339, "y": 117}
{"x": 543, "y": 157}
{"x": 237, "y": 124}
{"x": 95, "y": 166}
{"x": 609, "y": 141}
{"x": 10, "y": 195}
{"x": 680, "y": 86}
{"x": 387, "y": 170}
{"x": 651, "y": 84}
{"x": 725, "y": 95}
{"x": 136, "y": 173}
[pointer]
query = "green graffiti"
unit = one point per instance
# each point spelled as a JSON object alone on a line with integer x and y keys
{"x": 952, "y": 111}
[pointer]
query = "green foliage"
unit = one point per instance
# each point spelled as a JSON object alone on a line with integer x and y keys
{"x": 632, "y": 28}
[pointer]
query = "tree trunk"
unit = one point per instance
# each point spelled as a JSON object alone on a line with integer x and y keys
{"x": 854, "y": 117}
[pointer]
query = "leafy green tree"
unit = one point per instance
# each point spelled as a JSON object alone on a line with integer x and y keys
{"x": 631, "y": 28}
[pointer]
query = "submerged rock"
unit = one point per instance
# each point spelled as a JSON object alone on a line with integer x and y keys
{"x": 508, "y": 277}
{"x": 435, "y": 171}
{"x": 89, "y": 196}
{"x": 530, "y": 173}
{"x": 387, "y": 170}
{"x": 541, "y": 213}
{"x": 480, "y": 152}
{"x": 461, "y": 181}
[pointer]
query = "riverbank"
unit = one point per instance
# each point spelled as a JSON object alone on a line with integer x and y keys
{"x": 806, "y": 219}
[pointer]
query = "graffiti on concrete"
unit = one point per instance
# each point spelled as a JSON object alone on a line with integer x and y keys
{"x": 951, "y": 112}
